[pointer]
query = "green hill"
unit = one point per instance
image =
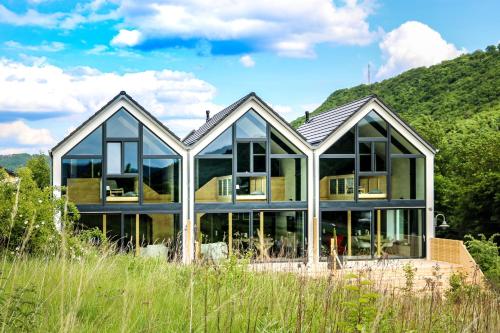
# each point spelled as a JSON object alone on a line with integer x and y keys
{"x": 456, "y": 106}
{"x": 453, "y": 89}
{"x": 15, "y": 161}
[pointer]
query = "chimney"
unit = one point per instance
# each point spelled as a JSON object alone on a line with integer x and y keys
{"x": 208, "y": 115}
{"x": 307, "y": 116}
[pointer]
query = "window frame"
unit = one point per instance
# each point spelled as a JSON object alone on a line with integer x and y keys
{"x": 139, "y": 174}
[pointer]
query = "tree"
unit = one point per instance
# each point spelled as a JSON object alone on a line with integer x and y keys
{"x": 40, "y": 170}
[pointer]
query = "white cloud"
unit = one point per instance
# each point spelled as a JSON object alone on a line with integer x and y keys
{"x": 18, "y": 132}
{"x": 287, "y": 27}
{"x": 84, "y": 90}
{"x": 126, "y": 38}
{"x": 44, "y": 46}
{"x": 81, "y": 14}
{"x": 247, "y": 61}
{"x": 413, "y": 44}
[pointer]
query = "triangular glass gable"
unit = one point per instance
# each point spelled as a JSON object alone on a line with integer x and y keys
{"x": 372, "y": 126}
{"x": 281, "y": 145}
{"x": 399, "y": 145}
{"x": 344, "y": 145}
{"x": 222, "y": 145}
{"x": 251, "y": 126}
{"x": 152, "y": 145}
{"x": 122, "y": 125}
{"x": 91, "y": 145}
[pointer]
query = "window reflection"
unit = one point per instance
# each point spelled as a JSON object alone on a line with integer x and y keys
{"x": 210, "y": 176}
{"x": 82, "y": 177}
{"x": 91, "y": 145}
{"x": 161, "y": 180}
{"x": 122, "y": 125}
{"x": 251, "y": 125}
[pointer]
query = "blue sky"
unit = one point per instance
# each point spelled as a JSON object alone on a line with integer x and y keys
{"x": 61, "y": 60}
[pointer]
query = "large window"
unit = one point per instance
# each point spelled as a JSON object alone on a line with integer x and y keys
{"x": 82, "y": 178}
{"x": 288, "y": 179}
{"x": 336, "y": 179}
{"x": 401, "y": 233}
{"x": 380, "y": 168}
{"x": 91, "y": 145}
{"x": 153, "y": 235}
{"x": 130, "y": 160}
{"x": 257, "y": 164}
{"x": 122, "y": 125}
{"x": 350, "y": 232}
{"x": 268, "y": 235}
{"x": 161, "y": 178}
{"x": 408, "y": 178}
{"x": 372, "y": 234}
{"x": 161, "y": 171}
{"x": 279, "y": 235}
{"x": 209, "y": 175}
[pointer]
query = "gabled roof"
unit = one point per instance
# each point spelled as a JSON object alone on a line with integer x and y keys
{"x": 9, "y": 172}
{"x": 122, "y": 94}
{"x": 320, "y": 126}
{"x": 195, "y": 136}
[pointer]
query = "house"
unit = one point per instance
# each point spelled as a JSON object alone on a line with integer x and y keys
{"x": 11, "y": 175}
{"x": 356, "y": 178}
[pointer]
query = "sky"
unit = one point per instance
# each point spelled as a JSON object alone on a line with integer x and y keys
{"x": 61, "y": 60}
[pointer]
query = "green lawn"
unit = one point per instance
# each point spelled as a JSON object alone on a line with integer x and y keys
{"x": 120, "y": 293}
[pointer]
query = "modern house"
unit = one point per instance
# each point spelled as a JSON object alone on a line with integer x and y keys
{"x": 357, "y": 178}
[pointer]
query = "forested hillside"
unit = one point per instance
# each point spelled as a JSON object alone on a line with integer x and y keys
{"x": 14, "y": 161}
{"x": 456, "y": 106}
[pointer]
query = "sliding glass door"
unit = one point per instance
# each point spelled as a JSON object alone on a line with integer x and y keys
{"x": 376, "y": 233}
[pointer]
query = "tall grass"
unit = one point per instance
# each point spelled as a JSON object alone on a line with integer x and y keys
{"x": 122, "y": 293}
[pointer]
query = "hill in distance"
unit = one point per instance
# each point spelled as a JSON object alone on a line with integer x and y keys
{"x": 452, "y": 90}
{"x": 15, "y": 161}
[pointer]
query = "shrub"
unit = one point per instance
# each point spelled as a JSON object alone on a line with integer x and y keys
{"x": 485, "y": 253}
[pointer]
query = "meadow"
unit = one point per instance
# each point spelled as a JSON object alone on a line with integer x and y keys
{"x": 110, "y": 292}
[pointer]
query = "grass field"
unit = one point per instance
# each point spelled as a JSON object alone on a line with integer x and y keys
{"x": 121, "y": 293}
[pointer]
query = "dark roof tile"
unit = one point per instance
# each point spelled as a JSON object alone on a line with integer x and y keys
{"x": 320, "y": 126}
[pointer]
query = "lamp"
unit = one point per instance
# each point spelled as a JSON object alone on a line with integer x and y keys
{"x": 443, "y": 225}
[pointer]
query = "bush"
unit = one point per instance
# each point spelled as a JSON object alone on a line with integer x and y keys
{"x": 485, "y": 253}
{"x": 27, "y": 214}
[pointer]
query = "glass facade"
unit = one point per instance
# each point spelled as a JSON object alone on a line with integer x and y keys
{"x": 288, "y": 179}
{"x": 82, "y": 178}
{"x": 336, "y": 179}
{"x": 368, "y": 234}
{"x": 91, "y": 145}
{"x": 260, "y": 235}
{"x": 129, "y": 177}
{"x": 212, "y": 175}
{"x": 122, "y": 125}
{"x": 381, "y": 167}
{"x": 161, "y": 179}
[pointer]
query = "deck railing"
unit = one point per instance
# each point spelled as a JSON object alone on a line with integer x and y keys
{"x": 454, "y": 251}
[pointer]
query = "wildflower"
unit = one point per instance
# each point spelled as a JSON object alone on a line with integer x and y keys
{"x": 17, "y": 248}
{"x": 26, "y": 222}
{"x": 43, "y": 222}
{"x": 36, "y": 226}
{"x": 39, "y": 201}
{"x": 11, "y": 252}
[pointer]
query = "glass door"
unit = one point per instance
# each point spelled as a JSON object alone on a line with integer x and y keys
{"x": 349, "y": 232}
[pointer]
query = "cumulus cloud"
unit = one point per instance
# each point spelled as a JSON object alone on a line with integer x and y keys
{"x": 126, "y": 38}
{"x": 18, "y": 132}
{"x": 413, "y": 44}
{"x": 80, "y": 90}
{"x": 44, "y": 46}
{"x": 287, "y": 27}
{"x": 247, "y": 61}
